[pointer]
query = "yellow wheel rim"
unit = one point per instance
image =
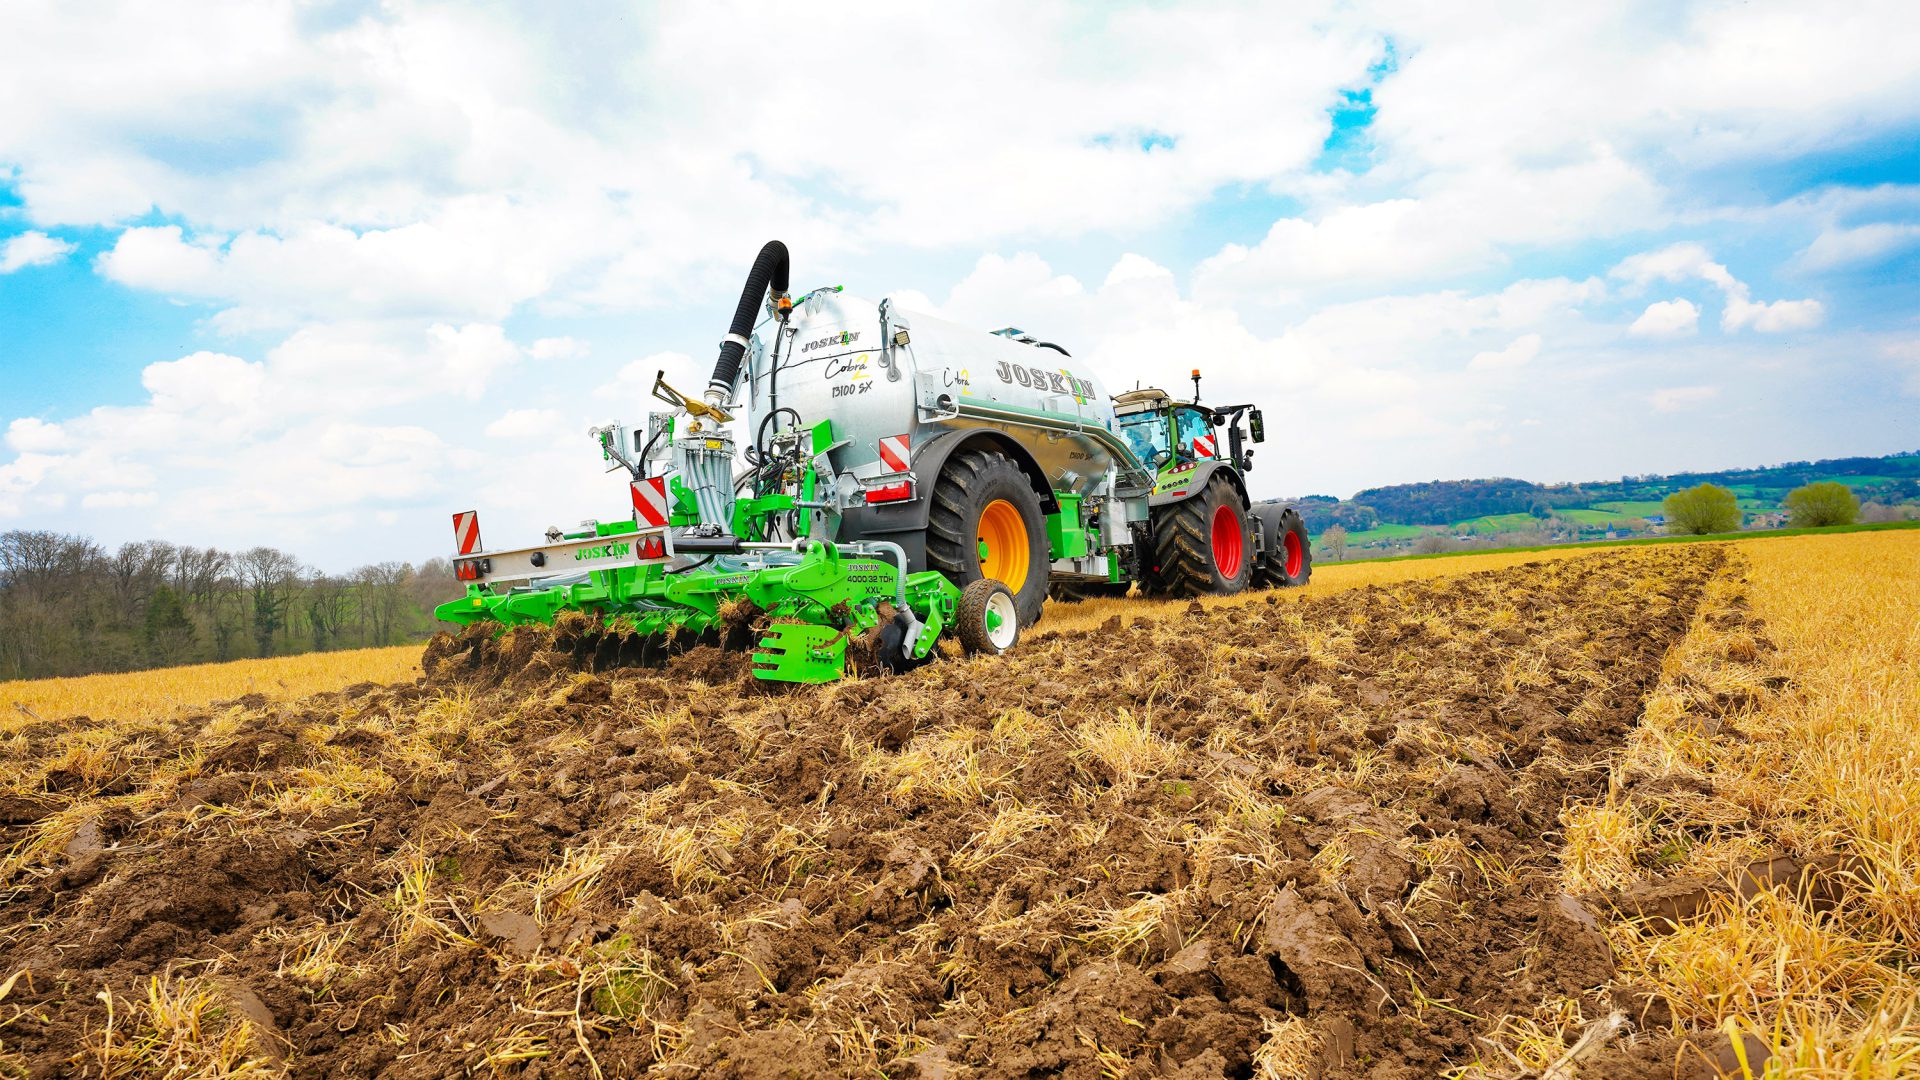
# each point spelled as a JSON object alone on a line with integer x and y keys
{"x": 1004, "y": 551}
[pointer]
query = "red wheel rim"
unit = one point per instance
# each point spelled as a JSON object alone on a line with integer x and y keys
{"x": 1228, "y": 542}
{"x": 1296, "y": 554}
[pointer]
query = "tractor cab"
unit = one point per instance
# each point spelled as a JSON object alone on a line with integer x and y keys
{"x": 1167, "y": 434}
{"x": 1143, "y": 418}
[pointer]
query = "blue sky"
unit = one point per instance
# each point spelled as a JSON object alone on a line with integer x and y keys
{"x": 318, "y": 275}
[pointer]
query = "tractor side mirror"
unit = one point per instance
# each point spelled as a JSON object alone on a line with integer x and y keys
{"x": 1256, "y": 425}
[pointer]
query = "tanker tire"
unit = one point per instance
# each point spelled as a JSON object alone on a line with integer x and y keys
{"x": 1183, "y": 544}
{"x": 970, "y": 619}
{"x": 971, "y": 480}
{"x": 1276, "y": 523}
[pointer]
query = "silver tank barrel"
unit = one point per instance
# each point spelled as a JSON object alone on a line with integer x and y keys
{"x": 880, "y": 373}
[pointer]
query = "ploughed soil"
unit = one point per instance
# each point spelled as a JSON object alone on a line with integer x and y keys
{"x": 1311, "y": 838}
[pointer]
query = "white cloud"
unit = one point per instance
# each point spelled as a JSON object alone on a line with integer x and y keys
{"x": 1675, "y": 262}
{"x": 118, "y": 500}
{"x": 1905, "y": 354}
{"x": 1841, "y": 246}
{"x": 205, "y": 382}
{"x": 1777, "y": 317}
{"x": 1680, "y": 398}
{"x": 558, "y": 348}
{"x": 478, "y": 259}
{"x": 31, "y": 435}
{"x": 632, "y": 385}
{"x": 347, "y": 366}
{"x": 224, "y": 448}
{"x": 1518, "y": 354}
{"x": 524, "y": 424}
{"x": 1684, "y": 261}
{"x": 19, "y": 478}
{"x": 1667, "y": 318}
{"x": 31, "y": 248}
{"x": 1455, "y": 223}
{"x": 1705, "y": 84}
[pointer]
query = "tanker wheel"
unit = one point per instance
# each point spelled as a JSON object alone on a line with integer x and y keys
{"x": 986, "y": 523}
{"x": 1203, "y": 544}
{"x": 1287, "y": 561}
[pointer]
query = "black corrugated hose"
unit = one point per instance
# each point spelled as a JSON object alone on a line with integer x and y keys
{"x": 769, "y": 272}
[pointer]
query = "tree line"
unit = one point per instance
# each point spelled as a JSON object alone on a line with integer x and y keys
{"x": 1889, "y": 481}
{"x": 69, "y": 606}
{"x": 1710, "y": 508}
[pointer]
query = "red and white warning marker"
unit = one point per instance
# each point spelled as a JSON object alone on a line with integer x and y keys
{"x": 894, "y": 452}
{"x": 650, "y": 500}
{"x": 466, "y": 532}
{"x": 1204, "y": 446}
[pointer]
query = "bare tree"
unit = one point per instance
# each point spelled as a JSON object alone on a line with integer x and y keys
{"x": 271, "y": 578}
{"x": 136, "y": 571}
{"x": 328, "y": 604}
{"x": 1877, "y": 512}
{"x": 378, "y": 591}
{"x": 1333, "y": 543}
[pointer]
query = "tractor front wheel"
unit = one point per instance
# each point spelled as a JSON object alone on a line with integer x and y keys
{"x": 1203, "y": 544}
{"x": 986, "y": 524}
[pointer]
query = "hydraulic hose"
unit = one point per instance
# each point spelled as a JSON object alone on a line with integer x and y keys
{"x": 769, "y": 273}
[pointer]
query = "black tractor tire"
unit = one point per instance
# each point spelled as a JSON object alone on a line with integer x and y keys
{"x": 970, "y": 618}
{"x": 1186, "y": 562}
{"x": 970, "y": 482}
{"x": 1286, "y": 558}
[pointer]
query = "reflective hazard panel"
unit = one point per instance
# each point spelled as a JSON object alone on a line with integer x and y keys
{"x": 650, "y": 504}
{"x": 466, "y": 532}
{"x": 1203, "y": 446}
{"x": 895, "y": 451}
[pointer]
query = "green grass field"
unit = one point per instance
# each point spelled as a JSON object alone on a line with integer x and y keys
{"x": 1605, "y": 519}
{"x": 1633, "y": 507}
{"x": 1492, "y": 523}
{"x": 1499, "y": 523}
{"x": 1384, "y": 532}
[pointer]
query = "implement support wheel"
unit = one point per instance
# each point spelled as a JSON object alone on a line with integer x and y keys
{"x": 985, "y": 619}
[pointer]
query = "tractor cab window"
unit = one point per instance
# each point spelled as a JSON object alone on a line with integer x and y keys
{"x": 1146, "y": 434}
{"x": 1195, "y": 429}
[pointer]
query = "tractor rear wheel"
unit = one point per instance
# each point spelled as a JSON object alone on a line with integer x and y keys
{"x": 986, "y": 523}
{"x": 1203, "y": 544}
{"x": 1287, "y": 561}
